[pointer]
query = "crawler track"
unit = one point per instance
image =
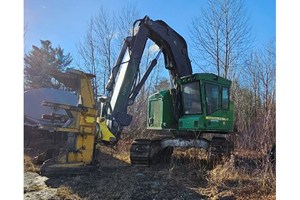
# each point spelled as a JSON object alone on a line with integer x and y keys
{"x": 144, "y": 151}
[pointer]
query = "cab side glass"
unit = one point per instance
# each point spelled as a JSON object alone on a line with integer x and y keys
{"x": 191, "y": 98}
{"x": 225, "y": 98}
{"x": 212, "y": 97}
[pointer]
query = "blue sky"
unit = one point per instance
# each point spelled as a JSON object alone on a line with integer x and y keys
{"x": 64, "y": 22}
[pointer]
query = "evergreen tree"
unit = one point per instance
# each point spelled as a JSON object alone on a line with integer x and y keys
{"x": 40, "y": 61}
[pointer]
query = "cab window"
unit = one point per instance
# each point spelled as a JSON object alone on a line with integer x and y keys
{"x": 212, "y": 97}
{"x": 191, "y": 98}
{"x": 225, "y": 98}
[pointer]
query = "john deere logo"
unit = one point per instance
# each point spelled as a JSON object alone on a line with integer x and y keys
{"x": 216, "y": 118}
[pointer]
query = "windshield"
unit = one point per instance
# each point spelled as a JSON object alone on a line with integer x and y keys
{"x": 191, "y": 98}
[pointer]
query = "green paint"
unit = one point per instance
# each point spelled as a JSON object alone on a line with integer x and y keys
{"x": 211, "y": 112}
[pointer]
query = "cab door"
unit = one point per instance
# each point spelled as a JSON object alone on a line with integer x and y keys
{"x": 224, "y": 115}
{"x": 212, "y": 104}
{"x": 217, "y": 106}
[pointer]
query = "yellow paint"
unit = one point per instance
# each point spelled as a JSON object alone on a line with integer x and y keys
{"x": 105, "y": 133}
{"x": 84, "y": 121}
{"x": 84, "y": 146}
{"x": 90, "y": 119}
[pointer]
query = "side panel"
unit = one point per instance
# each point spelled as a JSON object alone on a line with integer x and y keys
{"x": 160, "y": 111}
{"x": 218, "y": 121}
{"x": 155, "y": 113}
{"x": 192, "y": 122}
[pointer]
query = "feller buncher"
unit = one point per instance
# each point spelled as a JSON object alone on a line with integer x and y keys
{"x": 196, "y": 110}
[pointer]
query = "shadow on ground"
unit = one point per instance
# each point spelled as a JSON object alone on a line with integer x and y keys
{"x": 116, "y": 179}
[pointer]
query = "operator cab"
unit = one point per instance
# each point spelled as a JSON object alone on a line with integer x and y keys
{"x": 205, "y": 105}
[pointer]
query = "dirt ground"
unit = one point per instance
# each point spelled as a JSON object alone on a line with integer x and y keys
{"x": 186, "y": 177}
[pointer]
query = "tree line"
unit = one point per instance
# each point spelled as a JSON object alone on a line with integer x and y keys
{"x": 222, "y": 43}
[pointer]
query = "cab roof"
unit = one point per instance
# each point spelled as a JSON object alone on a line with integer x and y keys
{"x": 206, "y": 77}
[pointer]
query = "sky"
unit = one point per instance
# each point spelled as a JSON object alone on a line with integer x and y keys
{"x": 64, "y": 22}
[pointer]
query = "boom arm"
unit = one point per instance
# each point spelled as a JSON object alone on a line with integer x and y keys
{"x": 122, "y": 86}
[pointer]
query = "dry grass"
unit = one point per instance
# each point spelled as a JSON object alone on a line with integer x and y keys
{"x": 223, "y": 173}
{"x": 246, "y": 175}
{"x": 256, "y": 182}
{"x": 195, "y": 158}
{"x": 66, "y": 193}
{"x": 121, "y": 154}
{"x": 28, "y": 165}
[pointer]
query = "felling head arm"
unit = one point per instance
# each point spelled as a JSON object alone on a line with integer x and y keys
{"x": 81, "y": 118}
{"x": 79, "y": 82}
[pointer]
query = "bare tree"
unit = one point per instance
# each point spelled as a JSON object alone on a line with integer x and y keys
{"x": 99, "y": 49}
{"x": 106, "y": 32}
{"x": 259, "y": 73}
{"x": 125, "y": 21}
{"x": 251, "y": 76}
{"x": 222, "y": 34}
{"x": 267, "y": 69}
{"x": 255, "y": 103}
{"x": 267, "y": 63}
{"x": 90, "y": 56}
{"x": 106, "y": 35}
